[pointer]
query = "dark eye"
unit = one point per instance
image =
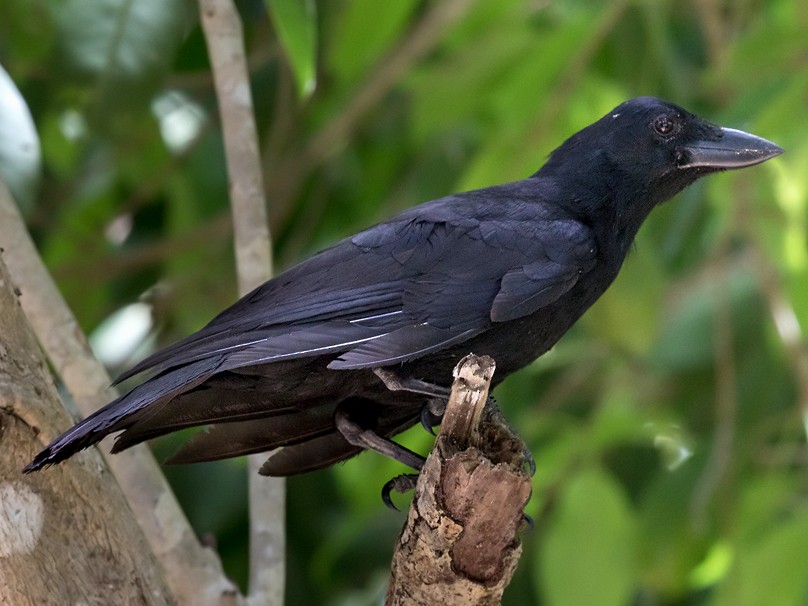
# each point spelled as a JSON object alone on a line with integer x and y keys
{"x": 663, "y": 125}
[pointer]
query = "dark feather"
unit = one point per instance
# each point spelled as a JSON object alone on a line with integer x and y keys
{"x": 224, "y": 440}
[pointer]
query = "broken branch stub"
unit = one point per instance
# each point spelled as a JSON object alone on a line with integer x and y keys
{"x": 459, "y": 545}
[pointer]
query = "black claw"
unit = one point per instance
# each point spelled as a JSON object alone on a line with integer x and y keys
{"x": 432, "y": 414}
{"x": 386, "y": 490}
{"x": 427, "y": 419}
{"x": 531, "y": 462}
{"x": 401, "y": 484}
{"x": 529, "y": 522}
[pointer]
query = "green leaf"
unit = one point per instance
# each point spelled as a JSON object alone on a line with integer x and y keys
{"x": 670, "y": 548}
{"x": 120, "y": 39}
{"x": 296, "y": 24}
{"x": 119, "y": 49}
{"x": 20, "y": 156}
{"x": 773, "y": 570}
{"x": 588, "y": 556}
{"x": 363, "y": 33}
{"x": 686, "y": 339}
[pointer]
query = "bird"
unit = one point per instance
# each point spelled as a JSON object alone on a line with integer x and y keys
{"x": 341, "y": 352}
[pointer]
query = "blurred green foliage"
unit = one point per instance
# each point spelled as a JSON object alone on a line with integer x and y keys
{"x": 667, "y": 426}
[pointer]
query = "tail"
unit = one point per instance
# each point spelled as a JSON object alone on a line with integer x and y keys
{"x": 122, "y": 412}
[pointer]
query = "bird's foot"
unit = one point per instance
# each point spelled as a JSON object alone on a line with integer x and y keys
{"x": 401, "y": 484}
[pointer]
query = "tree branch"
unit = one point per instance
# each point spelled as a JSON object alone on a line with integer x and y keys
{"x": 49, "y": 554}
{"x": 223, "y": 33}
{"x": 192, "y": 572}
{"x": 459, "y": 545}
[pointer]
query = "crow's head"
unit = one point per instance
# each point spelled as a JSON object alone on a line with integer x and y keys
{"x": 646, "y": 150}
{"x": 667, "y": 141}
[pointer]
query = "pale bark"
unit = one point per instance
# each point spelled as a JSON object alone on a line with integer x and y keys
{"x": 267, "y": 496}
{"x": 66, "y": 536}
{"x": 460, "y": 545}
{"x": 192, "y": 571}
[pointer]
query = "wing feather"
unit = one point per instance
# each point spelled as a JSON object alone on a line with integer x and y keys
{"x": 401, "y": 345}
{"x": 402, "y": 290}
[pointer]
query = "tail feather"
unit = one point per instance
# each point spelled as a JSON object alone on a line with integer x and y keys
{"x": 225, "y": 440}
{"x": 310, "y": 455}
{"x": 223, "y": 398}
{"x": 228, "y": 406}
{"x": 119, "y": 413}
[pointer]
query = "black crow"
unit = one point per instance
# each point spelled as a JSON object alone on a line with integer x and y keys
{"x": 341, "y": 352}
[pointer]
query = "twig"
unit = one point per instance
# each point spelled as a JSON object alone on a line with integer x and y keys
{"x": 202, "y": 81}
{"x": 459, "y": 544}
{"x": 222, "y": 27}
{"x": 223, "y": 33}
{"x": 193, "y": 573}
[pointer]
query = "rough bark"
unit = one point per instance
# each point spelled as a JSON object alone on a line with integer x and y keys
{"x": 192, "y": 571}
{"x": 459, "y": 545}
{"x": 66, "y": 537}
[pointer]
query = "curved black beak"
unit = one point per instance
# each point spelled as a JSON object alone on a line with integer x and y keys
{"x": 734, "y": 149}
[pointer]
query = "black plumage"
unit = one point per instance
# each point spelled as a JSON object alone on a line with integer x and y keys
{"x": 503, "y": 271}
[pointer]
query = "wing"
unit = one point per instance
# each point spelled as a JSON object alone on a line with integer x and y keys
{"x": 467, "y": 276}
{"x": 569, "y": 253}
{"x": 438, "y": 275}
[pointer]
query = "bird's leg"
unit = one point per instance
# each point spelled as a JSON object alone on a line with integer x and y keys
{"x": 432, "y": 411}
{"x": 394, "y": 382}
{"x": 363, "y": 437}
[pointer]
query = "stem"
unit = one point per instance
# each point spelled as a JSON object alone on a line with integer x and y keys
{"x": 223, "y": 32}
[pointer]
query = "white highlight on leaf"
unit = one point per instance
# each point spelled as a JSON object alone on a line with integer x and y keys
{"x": 72, "y": 125}
{"x": 21, "y": 519}
{"x": 20, "y": 154}
{"x": 120, "y": 335}
{"x": 181, "y": 119}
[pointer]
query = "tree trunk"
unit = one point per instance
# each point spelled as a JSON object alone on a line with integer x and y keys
{"x": 66, "y": 536}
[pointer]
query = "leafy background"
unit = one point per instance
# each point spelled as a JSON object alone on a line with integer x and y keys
{"x": 668, "y": 426}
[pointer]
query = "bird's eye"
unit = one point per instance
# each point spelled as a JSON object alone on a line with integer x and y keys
{"x": 663, "y": 125}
